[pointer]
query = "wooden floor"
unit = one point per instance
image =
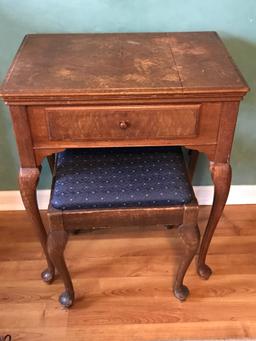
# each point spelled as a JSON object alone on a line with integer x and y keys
{"x": 123, "y": 282}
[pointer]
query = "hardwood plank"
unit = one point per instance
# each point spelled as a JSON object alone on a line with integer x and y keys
{"x": 147, "y": 266}
{"x": 123, "y": 283}
{"x": 138, "y": 332}
{"x": 234, "y": 288}
{"x": 161, "y": 331}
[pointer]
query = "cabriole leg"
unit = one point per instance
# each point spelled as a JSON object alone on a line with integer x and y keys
{"x": 56, "y": 245}
{"x": 221, "y": 176}
{"x": 28, "y": 179}
{"x": 190, "y": 235}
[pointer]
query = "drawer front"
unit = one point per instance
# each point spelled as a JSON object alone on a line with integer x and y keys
{"x": 111, "y": 123}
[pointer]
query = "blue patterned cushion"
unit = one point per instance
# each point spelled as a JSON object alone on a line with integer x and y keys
{"x": 120, "y": 177}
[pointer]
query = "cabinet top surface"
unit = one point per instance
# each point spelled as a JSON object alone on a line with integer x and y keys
{"x": 152, "y": 64}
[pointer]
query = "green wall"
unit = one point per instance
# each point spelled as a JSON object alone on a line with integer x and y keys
{"x": 235, "y": 20}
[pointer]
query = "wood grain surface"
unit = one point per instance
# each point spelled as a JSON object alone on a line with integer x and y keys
{"x": 64, "y": 65}
{"x": 85, "y": 123}
{"x": 123, "y": 283}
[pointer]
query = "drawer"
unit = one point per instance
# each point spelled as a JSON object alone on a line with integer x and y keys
{"x": 112, "y": 123}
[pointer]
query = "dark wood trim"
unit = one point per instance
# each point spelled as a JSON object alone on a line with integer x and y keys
{"x": 123, "y": 217}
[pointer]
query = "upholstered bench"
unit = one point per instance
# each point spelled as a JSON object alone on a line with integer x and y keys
{"x": 106, "y": 187}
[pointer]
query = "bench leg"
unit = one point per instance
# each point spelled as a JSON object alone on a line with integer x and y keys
{"x": 56, "y": 243}
{"x": 190, "y": 235}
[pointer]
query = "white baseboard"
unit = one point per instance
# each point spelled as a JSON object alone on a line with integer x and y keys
{"x": 11, "y": 200}
{"x": 239, "y": 195}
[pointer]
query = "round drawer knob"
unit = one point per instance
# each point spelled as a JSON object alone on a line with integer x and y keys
{"x": 123, "y": 124}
